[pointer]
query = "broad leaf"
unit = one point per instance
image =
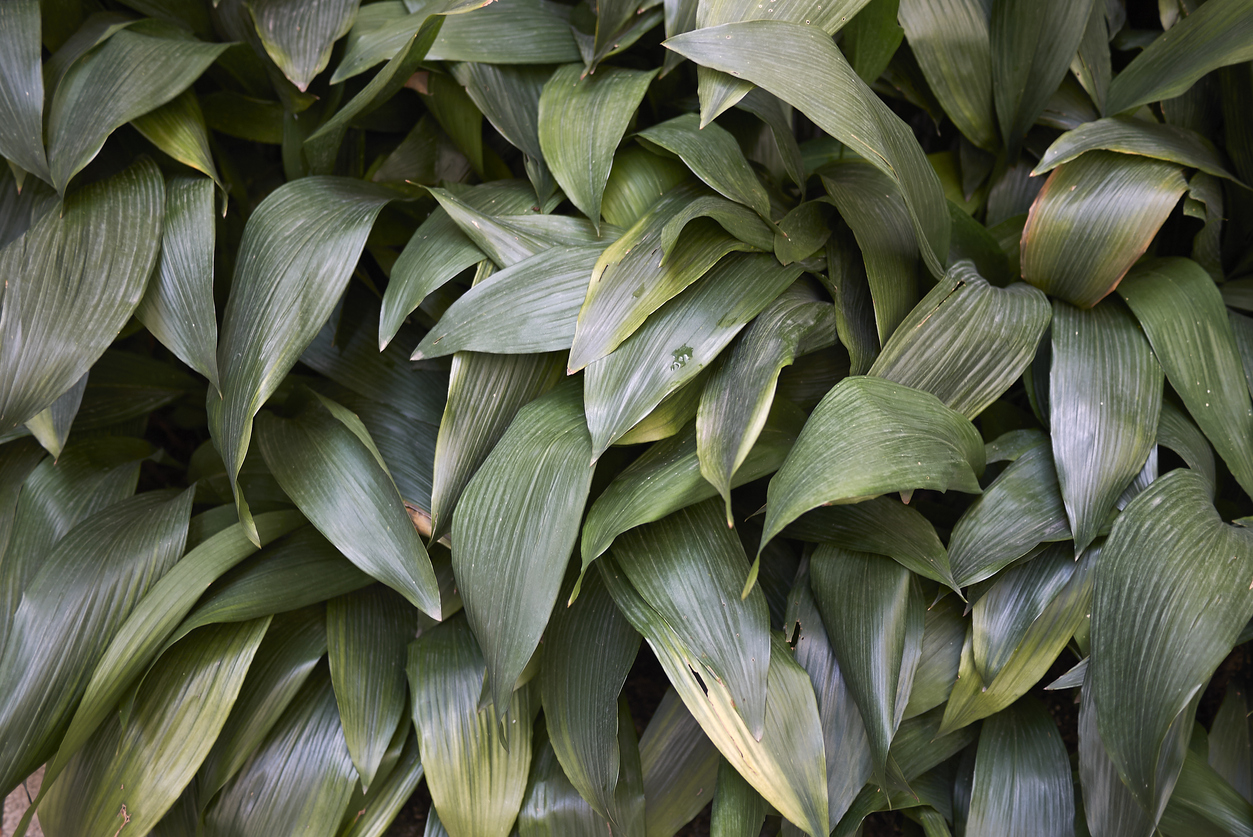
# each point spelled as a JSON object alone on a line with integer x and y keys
{"x": 1212, "y": 37}
{"x": 582, "y": 118}
{"x": 391, "y": 796}
{"x": 1105, "y": 391}
{"x": 338, "y": 480}
{"x": 476, "y": 783}
{"x": 714, "y": 156}
{"x": 515, "y": 527}
{"x": 22, "y": 87}
{"x": 72, "y": 281}
{"x": 1138, "y": 137}
{"x": 178, "y": 128}
{"x": 297, "y": 253}
{"x": 1108, "y": 805}
{"x": 766, "y": 52}
{"x": 678, "y": 342}
{"x": 943, "y": 633}
{"x": 679, "y": 764}
{"x": 738, "y": 810}
{"x": 1171, "y": 596}
{"x": 859, "y": 444}
{"x": 368, "y": 634}
{"x": 130, "y": 75}
{"x": 1181, "y": 311}
{"x": 872, "y": 610}
{"x": 682, "y": 565}
{"x": 178, "y": 304}
{"x": 966, "y": 342}
{"x": 1093, "y": 219}
{"x": 299, "y": 36}
{"x": 1022, "y": 776}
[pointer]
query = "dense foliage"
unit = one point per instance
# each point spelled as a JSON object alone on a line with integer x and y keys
{"x": 391, "y": 391}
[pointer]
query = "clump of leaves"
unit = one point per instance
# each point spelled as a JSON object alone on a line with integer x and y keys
{"x": 375, "y": 377}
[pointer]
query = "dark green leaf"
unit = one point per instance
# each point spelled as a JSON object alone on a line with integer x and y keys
{"x": 476, "y": 783}
{"x": 1205, "y": 803}
{"x": 1229, "y": 742}
{"x": 966, "y": 342}
{"x": 802, "y": 232}
{"x": 1170, "y": 600}
{"x": 1212, "y": 37}
{"x": 338, "y": 480}
{"x": 737, "y": 219}
{"x": 178, "y": 304}
{"x": 1093, "y": 219}
{"x": 72, "y": 281}
{"x": 680, "y": 766}
{"x": 738, "y": 810}
{"x": 1108, "y": 805}
{"x": 129, "y": 76}
{"x": 871, "y": 38}
{"x": 942, "y": 635}
{"x": 22, "y": 87}
{"x": 392, "y": 794}
{"x": 1181, "y": 311}
{"x": 636, "y": 181}
{"x": 508, "y": 32}
{"x": 1105, "y": 393}
{"x": 178, "y": 128}
{"x": 1022, "y": 776}
{"x": 714, "y": 156}
{"x": 858, "y": 444}
{"x": 299, "y": 36}
{"x": 52, "y": 426}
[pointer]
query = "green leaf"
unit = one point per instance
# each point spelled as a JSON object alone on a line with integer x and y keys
{"x": 859, "y": 444}
{"x": 667, "y": 477}
{"x": 1181, "y": 311}
{"x": 485, "y": 392}
{"x": 476, "y": 783}
{"x": 714, "y": 156}
{"x": 1091, "y": 65}
{"x": 1093, "y": 219}
{"x": 552, "y": 807}
{"x": 530, "y": 306}
{"x": 1021, "y": 509}
{"x": 636, "y": 181}
{"x": 72, "y": 281}
{"x": 680, "y": 765}
{"x": 52, "y": 426}
{"x": 337, "y": 479}
{"x": 131, "y": 775}
{"x": 615, "y": 306}
{"x": 1037, "y": 650}
{"x": 130, "y": 75}
{"x": 872, "y": 206}
{"x": 954, "y": 50}
{"x": 391, "y": 796}
{"x": 677, "y": 342}
{"x": 786, "y": 764}
{"x": 766, "y": 52}
{"x": 738, "y": 810}
{"x": 300, "y": 778}
{"x": 1205, "y": 40}
{"x": 22, "y": 87}
{"x": 1105, "y": 393}
{"x": 1229, "y": 742}
{"x": 292, "y": 647}
{"x": 515, "y": 527}
{"x": 141, "y": 637}
{"x": 737, "y": 399}
{"x": 83, "y": 591}
{"x": 589, "y": 648}
{"x": 178, "y": 307}
{"x": 1108, "y": 805}
{"x": 778, "y": 117}
{"x": 299, "y": 36}
{"x": 943, "y": 632}
{"x": 854, "y": 308}
{"x": 368, "y": 634}
{"x": 1022, "y": 776}
{"x": 298, "y": 251}
{"x": 1204, "y": 802}
{"x": 735, "y": 218}
{"x": 1032, "y": 45}
{"x": 871, "y": 38}
{"x": 1137, "y": 137}
{"x": 681, "y": 565}
{"x": 966, "y": 342}
{"x": 508, "y": 32}
{"x": 582, "y": 118}
{"x": 802, "y": 232}
{"x": 1170, "y": 600}
{"x": 847, "y": 749}
{"x": 178, "y": 128}
{"x": 881, "y": 525}
{"x": 872, "y": 610}
{"x": 509, "y": 97}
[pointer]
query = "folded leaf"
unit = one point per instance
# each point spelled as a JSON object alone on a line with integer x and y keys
{"x": 582, "y": 118}
{"x": 1093, "y": 219}
{"x": 1171, "y": 597}
{"x": 131, "y": 74}
{"x": 966, "y": 342}
{"x": 1203, "y": 372}
{"x": 1170, "y": 65}
{"x": 515, "y": 527}
{"x": 178, "y": 304}
{"x": 298, "y": 251}
{"x": 72, "y": 281}
{"x": 766, "y": 52}
{"x": 859, "y": 444}
{"x": 337, "y": 479}
{"x": 476, "y": 783}
{"x": 1104, "y": 398}
{"x": 1136, "y": 136}
{"x": 678, "y": 342}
